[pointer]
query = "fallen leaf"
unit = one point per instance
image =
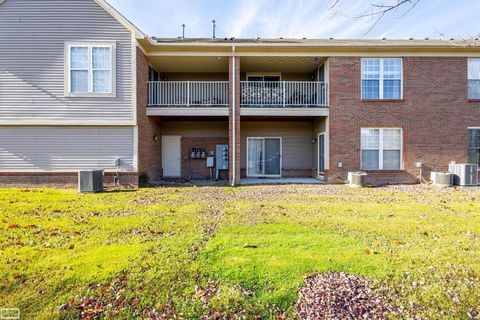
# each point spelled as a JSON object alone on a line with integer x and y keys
{"x": 368, "y": 250}
{"x": 200, "y": 293}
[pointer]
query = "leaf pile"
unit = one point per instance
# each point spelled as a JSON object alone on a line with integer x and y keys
{"x": 337, "y": 295}
{"x": 103, "y": 299}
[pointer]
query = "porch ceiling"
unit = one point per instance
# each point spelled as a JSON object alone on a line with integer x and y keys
{"x": 220, "y": 64}
{"x": 189, "y": 64}
{"x": 279, "y": 64}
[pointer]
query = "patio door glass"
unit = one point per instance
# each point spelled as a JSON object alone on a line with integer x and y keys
{"x": 264, "y": 156}
{"x": 255, "y": 156}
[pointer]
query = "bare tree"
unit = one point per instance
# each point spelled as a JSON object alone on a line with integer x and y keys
{"x": 379, "y": 10}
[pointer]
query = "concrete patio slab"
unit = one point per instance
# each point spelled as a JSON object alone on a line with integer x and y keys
{"x": 269, "y": 181}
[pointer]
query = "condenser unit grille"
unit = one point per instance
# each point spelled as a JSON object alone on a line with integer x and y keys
{"x": 90, "y": 181}
{"x": 464, "y": 174}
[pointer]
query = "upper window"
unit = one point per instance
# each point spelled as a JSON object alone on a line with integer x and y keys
{"x": 91, "y": 69}
{"x": 474, "y": 146}
{"x": 382, "y": 78}
{"x": 381, "y": 149}
{"x": 474, "y": 78}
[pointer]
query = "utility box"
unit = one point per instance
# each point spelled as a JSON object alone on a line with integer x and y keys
{"x": 221, "y": 155}
{"x": 210, "y": 163}
{"x": 90, "y": 181}
{"x": 464, "y": 174}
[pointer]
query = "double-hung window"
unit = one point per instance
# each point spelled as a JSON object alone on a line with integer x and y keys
{"x": 382, "y": 78}
{"x": 381, "y": 148}
{"x": 90, "y": 69}
{"x": 474, "y": 78}
{"x": 474, "y": 146}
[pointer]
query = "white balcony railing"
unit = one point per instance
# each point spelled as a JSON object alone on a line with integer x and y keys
{"x": 284, "y": 94}
{"x": 188, "y": 93}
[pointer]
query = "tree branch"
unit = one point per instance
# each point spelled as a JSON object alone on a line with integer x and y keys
{"x": 380, "y": 10}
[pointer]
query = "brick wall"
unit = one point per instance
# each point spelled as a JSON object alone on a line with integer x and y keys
{"x": 236, "y": 116}
{"x": 149, "y": 150}
{"x": 434, "y": 115}
{"x": 197, "y": 168}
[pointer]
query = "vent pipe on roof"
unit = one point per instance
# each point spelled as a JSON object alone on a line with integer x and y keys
{"x": 213, "y": 29}
{"x": 183, "y": 31}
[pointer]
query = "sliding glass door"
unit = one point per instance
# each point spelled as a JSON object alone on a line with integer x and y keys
{"x": 264, "y": 157}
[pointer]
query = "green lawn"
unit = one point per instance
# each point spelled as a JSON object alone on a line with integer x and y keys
{"x": 217, "y": 251}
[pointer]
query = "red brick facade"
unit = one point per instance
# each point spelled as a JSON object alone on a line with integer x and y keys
{"x": 149, "y": 148}
{"x": 434, "y": 115}
{"x": 197, "y": 168}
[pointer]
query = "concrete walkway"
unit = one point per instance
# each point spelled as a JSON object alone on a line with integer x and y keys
{"x": 187, "y": 183}
{"x": 244, "y": 182}
{"x": 267, "y": 181}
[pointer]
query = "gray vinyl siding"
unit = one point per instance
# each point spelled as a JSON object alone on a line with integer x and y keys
{"x": 297, "y": 151}
{"x": 64, "y": 149}
{"x": 32, "y": 60}
{"x": 195, "y": 129}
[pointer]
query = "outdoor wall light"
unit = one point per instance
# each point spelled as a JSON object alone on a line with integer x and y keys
{"x": 155, "y": 137}
{"x": 314, "y": 141}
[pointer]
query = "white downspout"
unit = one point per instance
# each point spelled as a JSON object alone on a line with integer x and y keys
{"x": 234, "y": 65}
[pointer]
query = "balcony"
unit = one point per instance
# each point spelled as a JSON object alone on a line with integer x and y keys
{"x": 188, "y": 94}
{"x": 284, "y": 94}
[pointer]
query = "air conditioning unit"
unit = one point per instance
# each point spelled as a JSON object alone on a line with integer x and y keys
{"x": 465, "y": 174}
{"x": 442, "y": 178}
{"x": 90, "y": 181}
{"x": 357, "y": 179}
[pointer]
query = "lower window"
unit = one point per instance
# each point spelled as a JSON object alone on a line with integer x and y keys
{"x": 381, "y": 148}
{"x": 474, "y": 146}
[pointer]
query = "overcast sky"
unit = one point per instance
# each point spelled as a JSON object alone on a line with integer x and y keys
{"x": 301, "y": 18}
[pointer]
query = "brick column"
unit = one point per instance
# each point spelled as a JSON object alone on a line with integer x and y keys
{"x": 149, "y": 150}
{"x": 234, "y": 117}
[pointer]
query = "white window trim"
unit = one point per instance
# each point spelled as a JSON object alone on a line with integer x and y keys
{"x": 90, "y": 44}
{"x": 468, "y": 77}
{"x": 381, "y": 149}
{"x": 281, "y": 159}
{"x": 322, "y": 173}
{"x": 380, "y": 83}
{"x": 468, "y": 69}
{"x": 468, "y": 149}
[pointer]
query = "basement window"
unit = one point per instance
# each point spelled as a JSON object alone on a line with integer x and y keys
{"x": 381, "y": 149}
{"x": 90, "y": 69}
{"x": 382, "y": 78}
{"x": 474, "y": 146}
{"x": 473, "y": 78}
